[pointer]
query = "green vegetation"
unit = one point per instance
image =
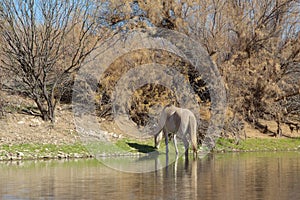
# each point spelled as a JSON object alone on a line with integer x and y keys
{"x": 128, "y": 146}
{"x": 258, "y": 144}
{"x": 121, "y": 147}
{"x": 42, "y": 151}
{"x": 78, "y": 150}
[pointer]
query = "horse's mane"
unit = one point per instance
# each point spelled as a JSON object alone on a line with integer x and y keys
{"x": 168, "y": 105}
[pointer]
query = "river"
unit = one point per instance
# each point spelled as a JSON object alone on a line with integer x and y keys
{"x": 270, "y": 175}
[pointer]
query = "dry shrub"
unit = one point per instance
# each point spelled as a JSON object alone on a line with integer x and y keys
{"x": 150, "y": 94}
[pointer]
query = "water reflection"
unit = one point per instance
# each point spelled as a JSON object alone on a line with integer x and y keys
{"x": 221, "y": 176}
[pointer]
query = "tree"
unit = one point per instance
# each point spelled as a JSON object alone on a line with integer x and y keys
{"x": 43, "y": 44}
{"x": 255, "y": 44}
{"x": 262, "y": 67}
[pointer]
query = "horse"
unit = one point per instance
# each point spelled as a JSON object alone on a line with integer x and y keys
{"x": 179, "y": 122}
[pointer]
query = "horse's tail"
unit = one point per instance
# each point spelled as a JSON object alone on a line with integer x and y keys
{"x": 193, "y": 130}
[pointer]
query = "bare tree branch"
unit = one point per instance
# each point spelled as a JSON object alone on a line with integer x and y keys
{"x": 44, "y": 42}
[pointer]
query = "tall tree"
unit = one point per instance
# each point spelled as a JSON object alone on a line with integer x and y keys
{"x": 43, "y": 44}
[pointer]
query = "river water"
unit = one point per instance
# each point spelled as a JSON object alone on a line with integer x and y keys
{"x": 229, "y": 176}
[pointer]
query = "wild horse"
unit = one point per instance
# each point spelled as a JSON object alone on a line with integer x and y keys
{"x": 179, "y": 122}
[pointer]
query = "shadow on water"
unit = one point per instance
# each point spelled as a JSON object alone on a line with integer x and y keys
{"x": 142, "y": 148}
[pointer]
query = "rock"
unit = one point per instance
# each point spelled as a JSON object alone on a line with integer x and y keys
{"x": 46, "y": 157}
{"x": 35, "y": 122}
{"x": 21, "y": 122}
{"x": 10, "y": 156}
{"x": 103, "y": 132}
{"x": 61, "y": 154}
{"x": 20, "y": 154}
{"x": 102, "y": 119}
{"x": 76, "y": 155}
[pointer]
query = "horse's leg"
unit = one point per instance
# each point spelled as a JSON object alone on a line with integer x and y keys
{"x": 166, "y": 140}
{"x": 186, "y": 146}
{"x": 175, "y": 166}
{"x": 175, "y": 144}
{"x": 195, "y": 153}
{"x": 193, "y": 134}
{"x": 158, "y": 138}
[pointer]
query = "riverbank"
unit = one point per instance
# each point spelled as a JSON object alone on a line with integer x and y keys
{"x": 78, "y": 150}
{"x": 24, "y": 136}
{"x": 258, "y": 145}
{"x": 42, "y": 151}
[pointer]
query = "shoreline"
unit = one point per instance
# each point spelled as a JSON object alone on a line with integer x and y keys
{"x": 21, "y": 152}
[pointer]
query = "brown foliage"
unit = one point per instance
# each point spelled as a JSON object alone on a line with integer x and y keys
{"x": 148, "y": 95}
{"x": 256, "y": 45}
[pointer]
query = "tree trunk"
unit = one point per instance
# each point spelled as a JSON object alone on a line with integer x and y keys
{"x": 278, "y": 121}
{"x": 47, "y": 112}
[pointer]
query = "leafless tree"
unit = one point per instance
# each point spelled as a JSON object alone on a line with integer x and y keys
{"x": 43, "y": 44}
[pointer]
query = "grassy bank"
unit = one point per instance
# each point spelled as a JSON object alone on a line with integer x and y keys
{"x": 51, "y": 151}
{"x": 78, "y": 150}
{"x": 42, "y": 151}
{"x": 258, "y": 144}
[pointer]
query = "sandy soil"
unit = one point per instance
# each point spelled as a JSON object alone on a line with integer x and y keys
{"x": 18, "y": 127}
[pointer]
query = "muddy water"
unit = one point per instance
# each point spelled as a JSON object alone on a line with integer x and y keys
{"x": 220, "y": 176}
